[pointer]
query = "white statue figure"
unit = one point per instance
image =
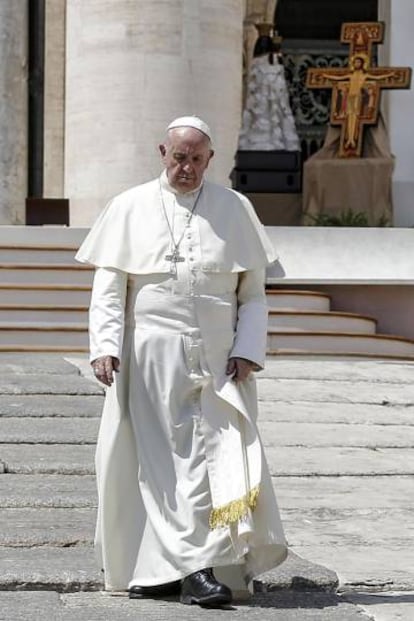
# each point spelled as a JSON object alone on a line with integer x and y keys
{"x": 268, "y": 122}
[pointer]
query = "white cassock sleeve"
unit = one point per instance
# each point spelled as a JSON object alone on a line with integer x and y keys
{"x": 106, "y": 313}
{"x": 251, "y": 329}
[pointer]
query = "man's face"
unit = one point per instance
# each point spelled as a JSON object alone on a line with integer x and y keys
{"x": 185, "y": 154}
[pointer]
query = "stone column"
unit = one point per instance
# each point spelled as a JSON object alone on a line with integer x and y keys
{"x": 54, "y": 118}
{"x": 399, "y": 51}
{"x": 133, "y": 66}
{"x": 13, "y": 110}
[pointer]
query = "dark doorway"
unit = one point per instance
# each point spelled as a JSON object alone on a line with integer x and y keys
{"x": 36, "y": 38}
{"x": 321, "y": 19}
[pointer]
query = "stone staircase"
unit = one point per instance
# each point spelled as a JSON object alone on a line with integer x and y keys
{"x": 44, "y": 297}
{"x": 301, "y": 323}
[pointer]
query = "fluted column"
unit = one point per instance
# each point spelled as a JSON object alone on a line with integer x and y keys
{"x": 54, "y": 98}
{"x": 13, "y": 111}
{"x": 134, "y": 65}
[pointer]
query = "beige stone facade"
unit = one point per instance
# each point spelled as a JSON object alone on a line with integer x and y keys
{"x": 117, "y": 72}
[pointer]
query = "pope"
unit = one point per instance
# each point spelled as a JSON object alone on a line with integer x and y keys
{"x": 178, "y": 322}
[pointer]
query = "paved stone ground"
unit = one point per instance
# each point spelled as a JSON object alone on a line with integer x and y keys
{"x": 339, "y": 438}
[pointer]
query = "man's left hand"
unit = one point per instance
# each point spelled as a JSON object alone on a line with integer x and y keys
{"x": 239, "y": 368}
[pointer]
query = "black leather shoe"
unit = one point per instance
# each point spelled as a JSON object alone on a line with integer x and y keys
{"x": 202, "y": 588}
{"x": 158, "y": 590}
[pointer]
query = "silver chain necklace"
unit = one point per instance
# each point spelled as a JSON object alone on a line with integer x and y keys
{"x": 175, "y": 256}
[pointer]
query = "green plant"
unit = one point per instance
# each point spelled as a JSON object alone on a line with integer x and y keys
{"x": 346, "y": 218}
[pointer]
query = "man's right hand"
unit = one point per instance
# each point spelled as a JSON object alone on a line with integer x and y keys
{"x": 104, "y": 368}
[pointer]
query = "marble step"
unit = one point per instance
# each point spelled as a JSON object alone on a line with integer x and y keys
{"x": 29, "y": 313}
{"x": 46, "y": 273}
{"x": 15, "y": 253}
{"x": 51, "y": 336}
{"x": 27, "y": 293}
{"x": 320, "y": 321}
{"x": 296, "y": 299}
{"x": 339, "y": 343}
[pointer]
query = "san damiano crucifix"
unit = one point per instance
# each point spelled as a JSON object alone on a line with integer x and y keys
{"x": 357, "y": 88}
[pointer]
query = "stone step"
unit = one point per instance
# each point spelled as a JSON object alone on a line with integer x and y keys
{"x": 275, "y": 432}
{"x": 285, "y": 461}
{"x": 49, "y": 568}
{"x": 313, "y": 434}
{"x": 280, "y": 603}
{"x": 340, "y": 461}
{"x": 349, "y": 413}
{"x": 345, "y": 343}
{"x": 33, "y": 527}
{"x": 47, "y": 490}
{"x": 343, "y": 493}
{"x": 49, "y": 430}
{"x": 49, "y": 385}
{"x": 42, "y": 236}
{"x": 43, "y": 313}
{"x": 15, "y": 253}
{"x": 73, "y": 571}
{"x": 25, "y": 293}
{"x": 350, "y": 526}
{"x": 50, "y": 405}
{"x": 333, "y": 392}
{"x": 339, "y": 370}
{"x": 297, "y": 299}
{"x": 282, "y": 320}
{"x": 46, "y": 364}
{"x": 84, "y": 431}
{"x": 47, "y": 459}
{"x": 56, "y": 336}
{"x": 42, "y": 349}
{"x": 46, "y": 273}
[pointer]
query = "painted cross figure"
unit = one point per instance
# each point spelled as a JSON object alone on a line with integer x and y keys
{"x": 357, "y": 88}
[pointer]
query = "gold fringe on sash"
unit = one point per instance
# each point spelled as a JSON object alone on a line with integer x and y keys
{"x": 235, "y": 510}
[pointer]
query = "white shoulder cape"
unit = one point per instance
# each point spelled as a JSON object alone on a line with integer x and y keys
{"x": 131, "y": 234}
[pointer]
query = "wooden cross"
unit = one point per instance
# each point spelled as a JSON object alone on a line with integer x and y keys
{"x": 356, "y": 89}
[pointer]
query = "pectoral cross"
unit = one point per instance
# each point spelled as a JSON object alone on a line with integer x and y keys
{"x": 356, "y": 89}
{"x": 175, "y": 257}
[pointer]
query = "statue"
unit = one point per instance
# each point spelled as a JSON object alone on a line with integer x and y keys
{"x": 268, "y": 123}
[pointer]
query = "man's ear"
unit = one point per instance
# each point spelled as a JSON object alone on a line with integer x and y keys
{"x": 211, "y": 154}
{"x": 162, "y": 149}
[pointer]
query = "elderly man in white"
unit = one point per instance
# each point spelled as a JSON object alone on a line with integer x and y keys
{"x": 178, "y": 310}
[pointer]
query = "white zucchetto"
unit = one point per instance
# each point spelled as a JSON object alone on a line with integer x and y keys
{"x": 191, "y": 121}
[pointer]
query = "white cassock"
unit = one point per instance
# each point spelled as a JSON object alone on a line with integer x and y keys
{"x": 182, "y": 479}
